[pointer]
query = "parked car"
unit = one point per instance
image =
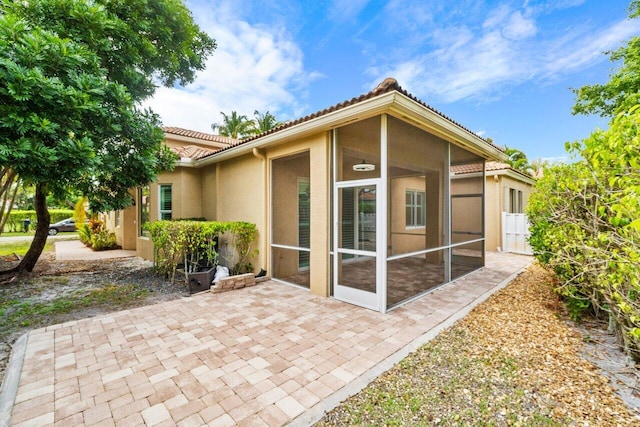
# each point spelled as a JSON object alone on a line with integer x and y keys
{"x": 64, "y": 225}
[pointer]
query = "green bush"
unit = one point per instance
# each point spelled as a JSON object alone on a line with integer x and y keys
{"x": 193, "y": 244}
{"x": 14, "y": 222}
{"x": 103, "y": 240}
{"x": 585, "y": 224}
{"x": 96, "y": 236}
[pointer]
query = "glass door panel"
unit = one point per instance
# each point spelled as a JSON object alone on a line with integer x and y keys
{"x": 356, "y": 269}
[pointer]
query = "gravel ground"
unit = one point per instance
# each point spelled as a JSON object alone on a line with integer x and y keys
{"x": 51, "y": 279}
{"x": 514, "y": 360}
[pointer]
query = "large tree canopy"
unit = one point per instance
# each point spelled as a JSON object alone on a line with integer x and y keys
{"x": 622, "y": 91}
{"x": 71, "y": 72}
{"x": 138, "y": 41}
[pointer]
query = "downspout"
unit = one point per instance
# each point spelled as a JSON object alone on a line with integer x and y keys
{"x": 259, "y": 154}
{"x": 496, "y": 179}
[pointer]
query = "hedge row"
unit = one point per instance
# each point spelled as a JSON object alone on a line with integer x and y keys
{"x": 16, "y": 218}
{"x": 585, "y": 224}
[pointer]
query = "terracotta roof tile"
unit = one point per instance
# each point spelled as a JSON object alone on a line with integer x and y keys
{"x": 387, "y": 85}
{"x": 200, "y": 135}
{"x": 489, "y": 167}
{"x": 466, "y": 168}
{"x": 192, "y": 151}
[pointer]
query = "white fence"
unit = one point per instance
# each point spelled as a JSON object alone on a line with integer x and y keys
{"x": 515, "y": 232}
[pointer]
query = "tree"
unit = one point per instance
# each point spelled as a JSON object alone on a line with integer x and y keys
{"x": 233, "y": 125}
{"x": 264, "y": 122}
{"x": 139, "y": 42}
{"x": 518, "y": 160}
{"x": 622, "y": 91}
{"x": 68, "y": 116}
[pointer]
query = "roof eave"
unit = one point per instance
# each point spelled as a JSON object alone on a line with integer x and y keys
{"x": 513, "y": 174}
{"x": 394, "y": 102}
{"x": 193, "y": 140}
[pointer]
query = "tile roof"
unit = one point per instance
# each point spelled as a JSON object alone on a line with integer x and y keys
{"x": 192, "y": 152}
{"x": 200, "y": 135}
{"x": 386, "y": 86}
{"x": 489, "y": 167}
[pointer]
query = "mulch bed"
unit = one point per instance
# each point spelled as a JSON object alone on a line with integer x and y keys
{"x": 514, "y": 360}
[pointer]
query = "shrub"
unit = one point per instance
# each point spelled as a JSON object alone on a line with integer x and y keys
{"x": 96, "y": 236}
{"x": 103, "y": 240}
{"x": 585, "y": 224}
{"x": 194, "y": 244}
{"x": 84, "y": 232}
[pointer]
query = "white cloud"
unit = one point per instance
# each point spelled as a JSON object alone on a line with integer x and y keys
{"x": 345, "y": 10}
{"x": 507, "y": 48}
{"x": 518, "y": 27}
{"x": 569, "y": 56}
{"x": 253, "y": 68}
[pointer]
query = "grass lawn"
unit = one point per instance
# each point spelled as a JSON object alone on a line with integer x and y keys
{"x": 17, "y": 234}
{"x": 20, "y": 247}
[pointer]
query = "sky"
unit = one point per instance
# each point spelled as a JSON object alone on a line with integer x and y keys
{"x": 503, "y": 69}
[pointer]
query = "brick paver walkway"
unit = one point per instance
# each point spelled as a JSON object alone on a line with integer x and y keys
{"x": 258, "y": 356}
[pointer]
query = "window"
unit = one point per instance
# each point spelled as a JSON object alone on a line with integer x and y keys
{"x": 516, "y": 204}
{"x": 165, "y": 201}
{"x": 304, "y": 218}
{"x": 144, "y": 203}
{"x": 415, "y": 208}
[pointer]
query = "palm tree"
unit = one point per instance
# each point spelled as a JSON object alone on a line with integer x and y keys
{"x": 518, "y": 160}
{"x": 233, "y": 125}
{"x": 264, "y": 122}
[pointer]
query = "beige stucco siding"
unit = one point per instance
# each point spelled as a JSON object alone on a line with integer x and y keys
{"x": 208, "y": 192}
{"x": 497, "y": 201}
{"x": 493, "y": 213}
{"x": 241, "y": 196}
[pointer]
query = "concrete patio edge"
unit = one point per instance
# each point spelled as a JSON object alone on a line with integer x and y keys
{"x": 12, "y": 379}
{"x": 315, "y": 413}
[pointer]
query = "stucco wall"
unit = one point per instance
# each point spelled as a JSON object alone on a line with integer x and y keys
{"x": 185, "y": 191}
{"x": 241, "y": 197}
{"x": 497, "y": 201}
{"x": 208, "y": 193}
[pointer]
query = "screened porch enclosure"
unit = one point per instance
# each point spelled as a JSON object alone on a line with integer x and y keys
{"x": 290, "y": 207}
{"x": 403, "y": 223}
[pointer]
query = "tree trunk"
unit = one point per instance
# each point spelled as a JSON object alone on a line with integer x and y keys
{"x": 8, "y": 198}
{"x": 42, "y": 231}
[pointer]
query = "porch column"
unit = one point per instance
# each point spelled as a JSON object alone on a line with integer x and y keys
{"x": 319, "y": 221}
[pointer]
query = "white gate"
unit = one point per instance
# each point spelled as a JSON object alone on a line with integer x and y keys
{"x": 515, "y": 232}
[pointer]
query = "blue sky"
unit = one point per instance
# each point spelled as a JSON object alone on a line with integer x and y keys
{"x": 503, "y": 69}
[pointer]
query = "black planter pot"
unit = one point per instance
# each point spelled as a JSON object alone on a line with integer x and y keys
{"x": 201, "y": 280}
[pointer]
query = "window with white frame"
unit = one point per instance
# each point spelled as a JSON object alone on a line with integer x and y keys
{"x": 415, "y": 208}
{"x": 165, "y": 201}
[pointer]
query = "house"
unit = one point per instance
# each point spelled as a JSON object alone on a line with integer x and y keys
{"x": 507, "y": 190}
{"x": 356, "y": 201}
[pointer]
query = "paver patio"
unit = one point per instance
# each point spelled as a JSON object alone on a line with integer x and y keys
{"x": 267, "y": 355}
